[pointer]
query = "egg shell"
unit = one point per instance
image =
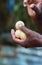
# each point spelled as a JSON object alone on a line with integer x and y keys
{"x": 20, "y": 34}
{"x": 18, "y": 24}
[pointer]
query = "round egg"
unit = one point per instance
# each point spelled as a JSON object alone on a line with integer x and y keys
{"x": 18, "y": 24}
{"x": 19, "y": 34}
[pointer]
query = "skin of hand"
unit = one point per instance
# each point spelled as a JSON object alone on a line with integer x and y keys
{"x": 33, "y": 39}
{"x": 34, "y": 9}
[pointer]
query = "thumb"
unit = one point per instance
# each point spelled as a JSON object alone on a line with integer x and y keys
{"x": 25, "y": 30}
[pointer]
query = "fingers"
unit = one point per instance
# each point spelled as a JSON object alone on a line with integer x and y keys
{"x": 34, "y": 7}
{"x": 25, "y": 30}
{"x": 25, "y": 2}
{"x": 16, "y": 39}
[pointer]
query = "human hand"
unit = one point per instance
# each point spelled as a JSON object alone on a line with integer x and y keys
{"x": 34, "y": 8}
{"x": 31, "y": 39}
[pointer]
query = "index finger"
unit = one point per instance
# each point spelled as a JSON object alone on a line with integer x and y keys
{"x": 25, "y": 2}
{"x": 16, "y": 39}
